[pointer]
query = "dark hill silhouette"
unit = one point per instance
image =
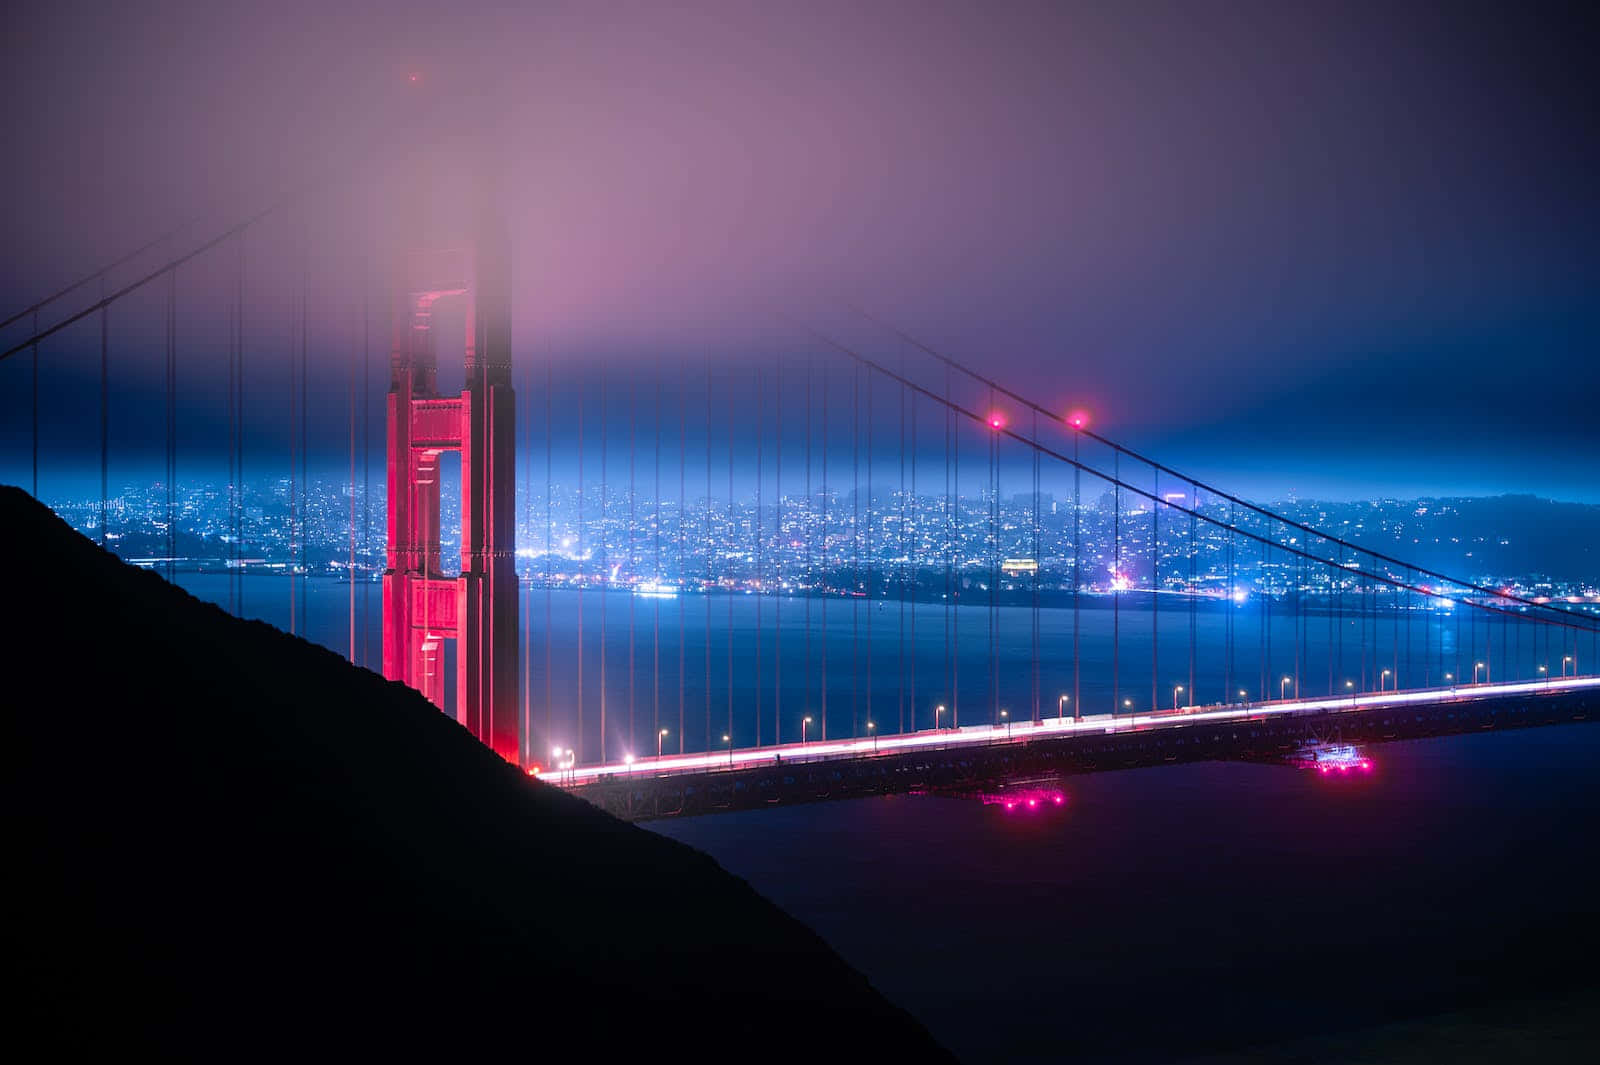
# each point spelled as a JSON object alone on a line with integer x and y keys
{"x": 224, "y": 841}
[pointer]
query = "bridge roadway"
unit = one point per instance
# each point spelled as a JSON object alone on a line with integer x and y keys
{"x": 983, "y": 758}
{"x": 982, "y": 736}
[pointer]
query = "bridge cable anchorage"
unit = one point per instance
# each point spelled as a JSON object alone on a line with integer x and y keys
{"x": 1116, "y": 480}
{"x": 1218, "y": 492}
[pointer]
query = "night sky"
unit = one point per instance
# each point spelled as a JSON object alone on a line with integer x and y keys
{"x": 1330, "y": 250}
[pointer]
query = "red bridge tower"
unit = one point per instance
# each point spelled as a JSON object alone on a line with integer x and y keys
{"x": 421, "y": 607}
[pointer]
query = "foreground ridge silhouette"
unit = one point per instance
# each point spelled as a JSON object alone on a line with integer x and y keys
{"x": 227, "y": 842}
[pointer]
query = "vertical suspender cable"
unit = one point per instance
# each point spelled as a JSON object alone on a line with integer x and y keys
{"x": 603, "y": 535}
{"x": 549, "y": 536}
{"x": 581, "y": 567}
{"x": 172, "y": 422}
{"x": 706, "y": 582}
{"x": 810, "y": 575}
{"x": 366, "y": 462}
{"x": 913, "y": 542}
{"x": 871, "y": 573}
{"x": 238, "y": 506}
{"x": 1194, "y": 497}
{"x": 633, "y": 495}
{"x": 755, "y": 533}
{"x": 733, "y": 575}
{"x": 105, "y": 416}
{"x": 683, "y": 519}
{"x": 525, "y": 576}
{"x": 905, "y": 560}
{"x": 778, "y": 548}
{"x": 949, "y": 557}
{"x": 1037, "y": 566}
{"x": 1155, "y": 588}
{"x": 954, "y": 518}
{"x": 1116, "y": 578}
{"x": 1229, "y": 603}
{"x": 827, "y": 577}
{"x": 305, "y": 421}
{"x": 350, "y": 404}
{"x": 1264, "y": 631}
{"x": 33, "y": 350}
{"x": 855, "y": 550}
{"x": 655, "y": 575}
{"x": 994, "y": 569}
{"x": 755, "y": 536}
{"x": 1077, "y": 570}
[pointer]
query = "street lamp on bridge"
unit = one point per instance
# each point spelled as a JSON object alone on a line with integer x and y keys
{"x": 1477, "y": 666}
{"x": 1005, "y": 715}
{"x": 1244, "y": 696}
{"x": 729, "y": 741}
{"x": 872, "y": 729}
{"x": 1176, "y": 691}
{"x": 936, "y": 712}
{"x": 1061, "y": 708}
{"x": 659, "y": 737}
{"x": 804, "y": 721}
{"x": 627, "y": 760}
{"x": 1544, "y": 673}
{"x": 1569, "y": 658}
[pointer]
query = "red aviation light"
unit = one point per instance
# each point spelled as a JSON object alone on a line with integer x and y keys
{"x": 1077, "y": 419}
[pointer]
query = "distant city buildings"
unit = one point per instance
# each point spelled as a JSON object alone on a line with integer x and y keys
{"x": 893, "y": 544}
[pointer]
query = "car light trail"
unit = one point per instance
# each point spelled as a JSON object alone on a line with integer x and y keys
{"x": 984, "y": 735}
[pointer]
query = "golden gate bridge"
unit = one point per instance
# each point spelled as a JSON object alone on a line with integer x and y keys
{"x": 1157, "y": 602}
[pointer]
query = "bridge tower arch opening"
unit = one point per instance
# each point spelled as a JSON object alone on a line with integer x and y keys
{"x": 423, "y": 607}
